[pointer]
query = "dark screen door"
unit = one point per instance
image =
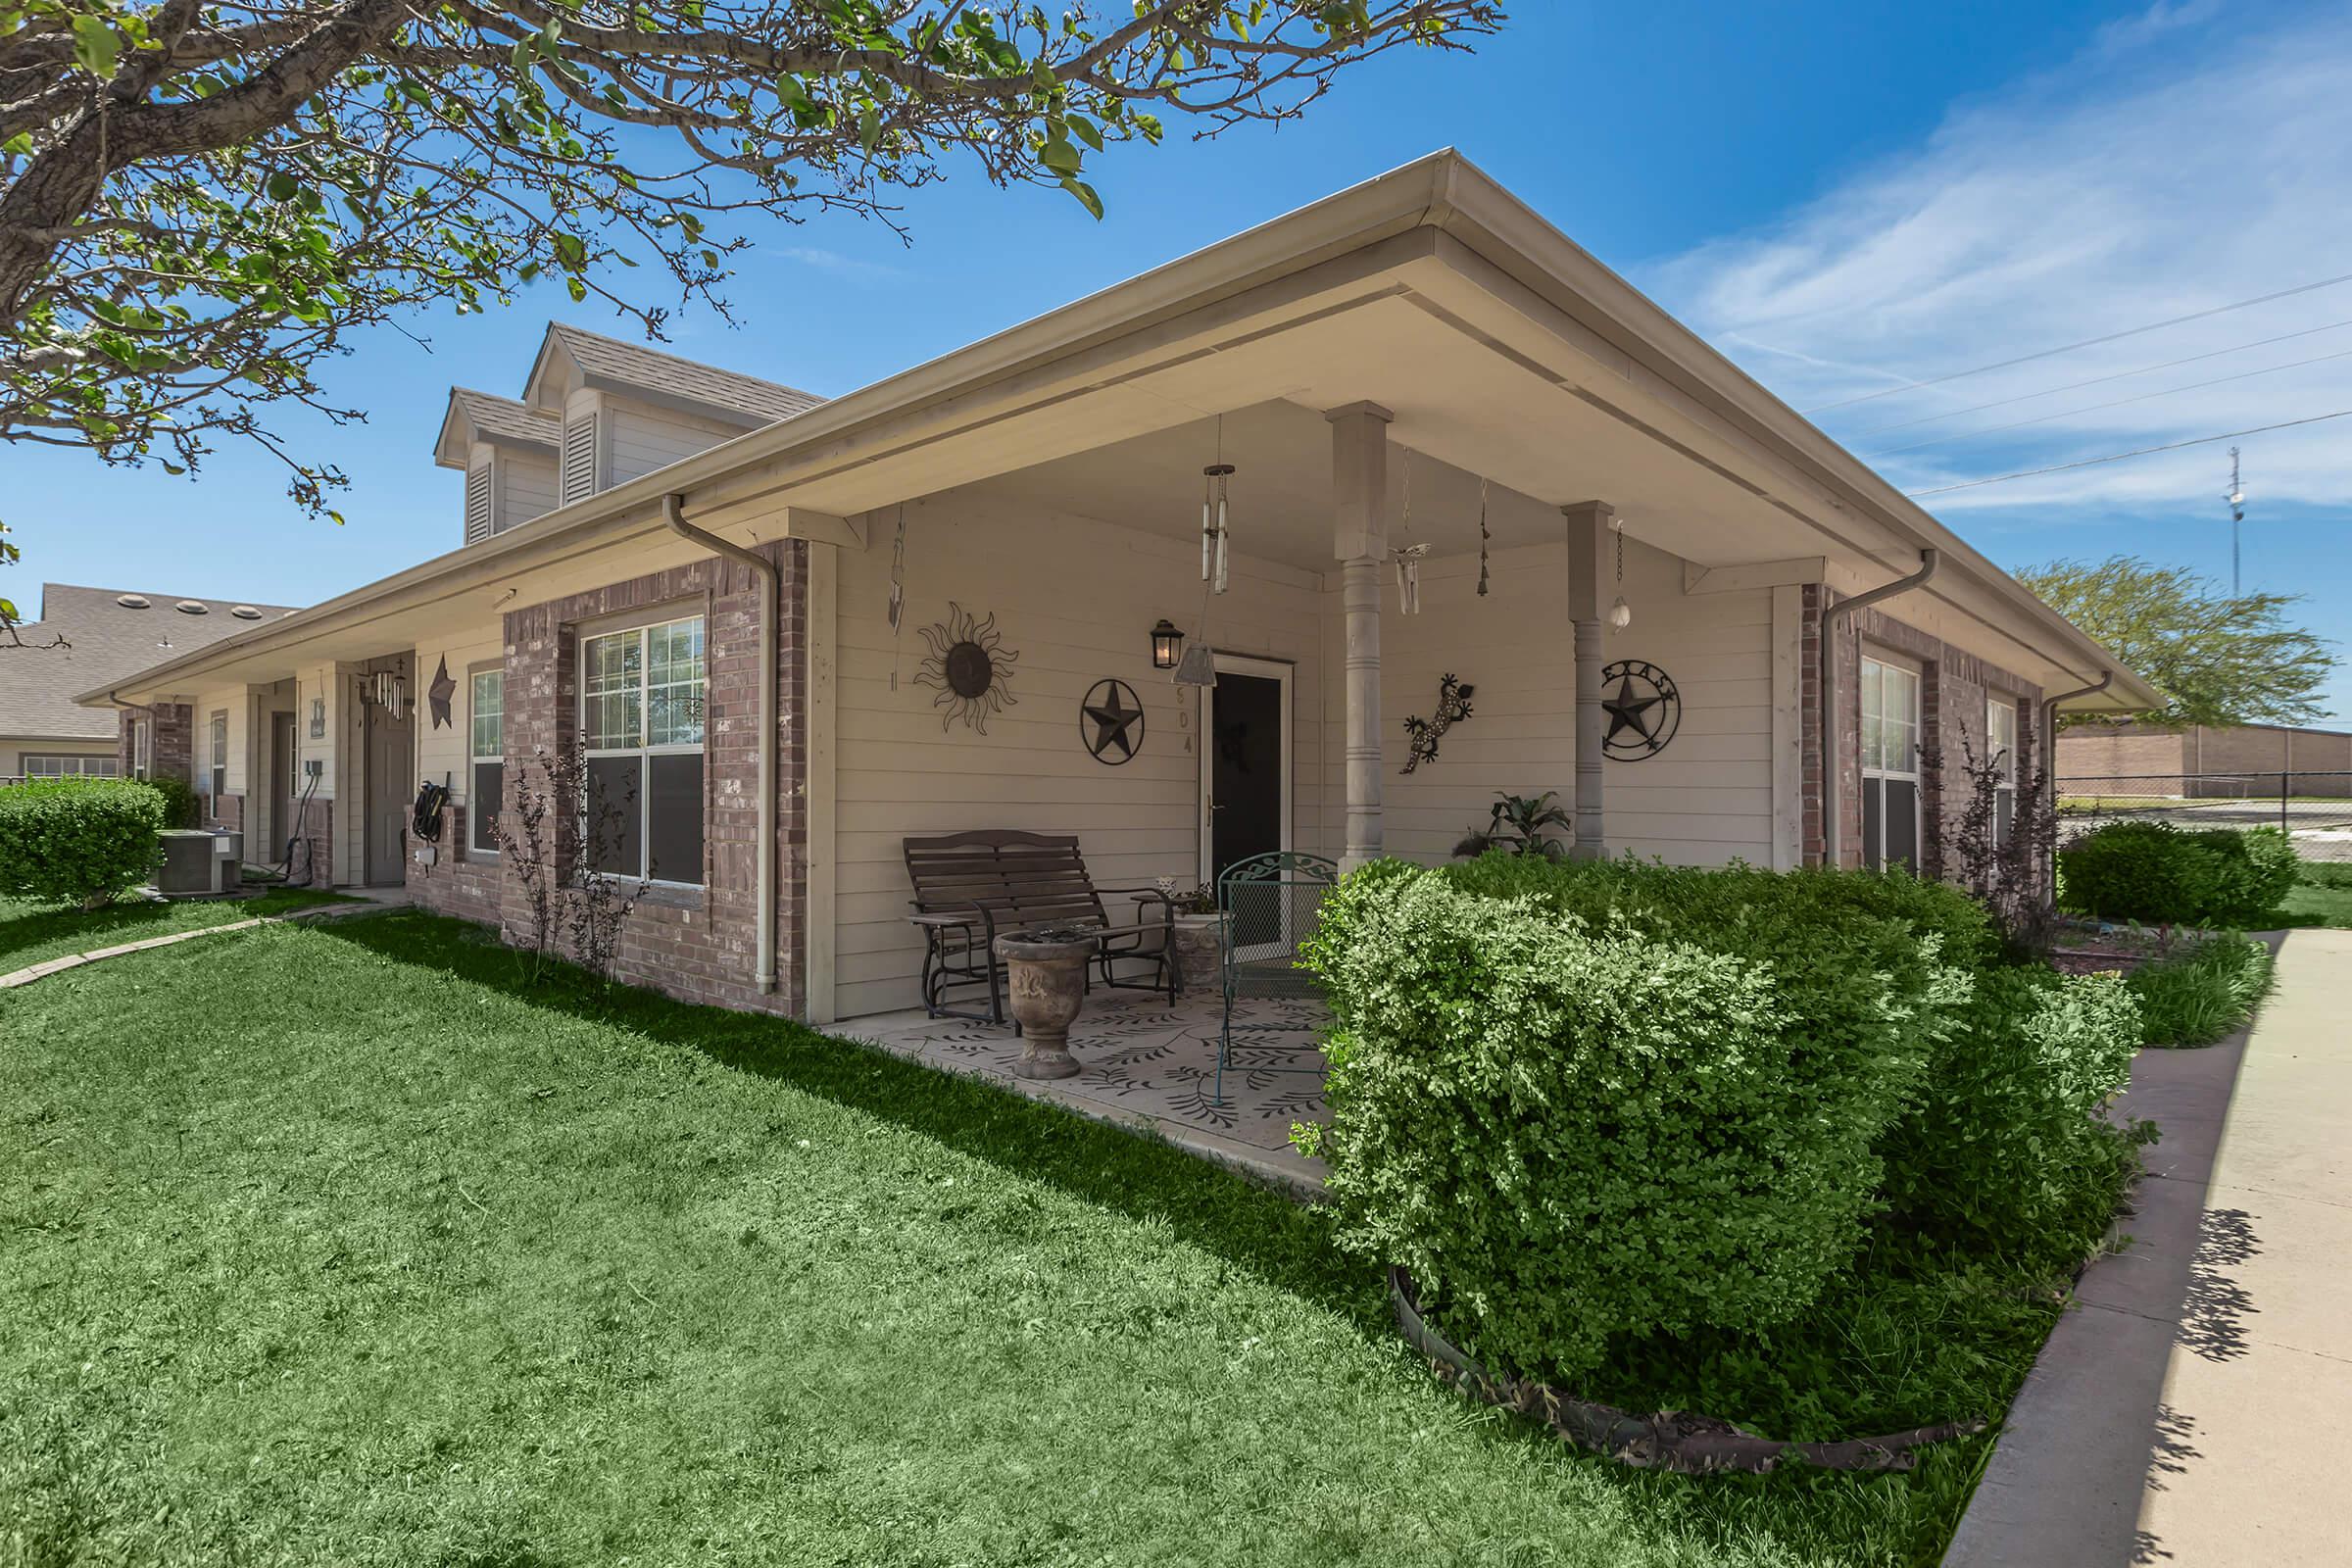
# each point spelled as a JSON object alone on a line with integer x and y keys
{"x": 281, "y": 791}
{"x": 1245, "y": 775}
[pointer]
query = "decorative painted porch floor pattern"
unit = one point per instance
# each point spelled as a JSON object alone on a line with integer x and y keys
{"x": 1137, "y": 1056}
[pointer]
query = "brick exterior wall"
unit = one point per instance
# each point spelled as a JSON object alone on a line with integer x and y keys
{"x": 2154, "y": 761}
{"x": 1954, "y": 687}
{"x": 698, "y": 945}
{"x": 175, "y": 755}
{"x": 317, "y": 831}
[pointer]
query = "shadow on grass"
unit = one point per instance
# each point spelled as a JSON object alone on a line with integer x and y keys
{"x": 1249, "y": 1226}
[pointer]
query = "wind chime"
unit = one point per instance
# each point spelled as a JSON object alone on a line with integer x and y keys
{"x": 1483, "y": 536}
{"x": 1409, "y": 557}
{"x": 1199, "y": 665}
{"x": 898, "y": 593}
{"x": 1621, "y": 613}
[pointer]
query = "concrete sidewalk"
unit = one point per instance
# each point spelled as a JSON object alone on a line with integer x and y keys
{"x": 2195, "y": 1408}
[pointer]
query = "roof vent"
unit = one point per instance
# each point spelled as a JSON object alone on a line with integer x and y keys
{"x": 244, "y": 611}
{"x": 131, "y": 601}
{"x": 193, "y": 607}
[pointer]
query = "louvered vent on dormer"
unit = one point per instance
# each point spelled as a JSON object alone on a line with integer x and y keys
{"x": 477, "y": 504}
{"x": 580, "y": 458}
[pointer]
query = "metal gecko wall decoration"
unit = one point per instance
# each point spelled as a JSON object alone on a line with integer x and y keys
{"x": 1454, "y": 705}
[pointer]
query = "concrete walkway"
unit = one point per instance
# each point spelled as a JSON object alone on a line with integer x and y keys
{"x": 2195, "y": 1408}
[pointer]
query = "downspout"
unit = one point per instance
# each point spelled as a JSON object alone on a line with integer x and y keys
{"x": 2049, "y": 749}
{"x": 674, "y": 513}
{"x": 1832, "y": 784}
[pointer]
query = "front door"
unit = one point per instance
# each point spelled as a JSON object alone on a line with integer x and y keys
{"x": 391, "y": 791}
{"x": 282, "y": 792}
{"x": 1246, "y": 799}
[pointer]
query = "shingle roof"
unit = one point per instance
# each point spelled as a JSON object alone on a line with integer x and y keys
{"x": 506, "y": 420}
{"x": 633, "y": 365}
{"x": 107, "y": 640}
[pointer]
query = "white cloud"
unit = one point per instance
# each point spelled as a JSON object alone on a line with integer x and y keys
{"x": 2174, "y": 167}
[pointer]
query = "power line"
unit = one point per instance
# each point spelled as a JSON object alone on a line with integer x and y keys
{"x": 2118, "y": 457}
{"x": 2097, "y": 380}
{"x": 2087, "y": 343}
{"x": 2115, "y": 403}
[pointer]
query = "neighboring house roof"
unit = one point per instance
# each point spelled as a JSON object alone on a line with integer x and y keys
{"x": 632, "y": 367}
{"x": 502, "y": 422}
{"x": 110, "y": 633}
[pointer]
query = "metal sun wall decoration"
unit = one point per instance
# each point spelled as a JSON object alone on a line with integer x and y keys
{"x": 1454, "y": 705}
{"x": 968, "y": 665}
{"x": 1644, "y": 710}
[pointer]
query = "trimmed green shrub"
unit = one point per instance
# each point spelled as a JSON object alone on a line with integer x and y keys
{"x": 2004, "y": 1155}
{"x": 78, "y": 839}
{"x": 2196, "y": 997}
{"x": 2157, "y": 872}
{"x": 1581, "y": 1101}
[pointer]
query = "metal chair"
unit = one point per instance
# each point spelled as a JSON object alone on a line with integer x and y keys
{"x": 1269, "y": 904}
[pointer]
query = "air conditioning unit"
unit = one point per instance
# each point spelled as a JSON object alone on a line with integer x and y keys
{"x": 199, "y": 864}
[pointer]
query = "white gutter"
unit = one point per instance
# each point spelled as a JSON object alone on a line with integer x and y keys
{"x": 674, "y": 513}
{"x": 1832, "y": 784}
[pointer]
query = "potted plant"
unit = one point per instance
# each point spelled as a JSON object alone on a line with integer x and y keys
{"x": 1199, "y": 938}
{"x": 1519, "y": 824}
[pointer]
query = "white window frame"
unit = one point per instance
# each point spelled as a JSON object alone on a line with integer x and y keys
{"x": 2001, "y": 714}
{"x": 216, "y": 771}
{"x": 1874, "y": 748}
{"x": 67, "y": 764}
{"x": 646, "y": 751}
{"x": 475, "y": 756}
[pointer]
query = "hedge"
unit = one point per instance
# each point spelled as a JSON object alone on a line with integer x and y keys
{"x": 82, "y": 840}
{"x": 1580, "y": 1102}
{"x": 1597, "y": 1108}
{"x": 2157, "y": 872}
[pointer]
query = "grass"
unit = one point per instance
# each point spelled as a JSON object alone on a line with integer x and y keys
{"x": 2323, "y": 898}
{"x": 33, "y": 932}
{"x": 342, "y": 1245}
{"x": 2196, "y": 997}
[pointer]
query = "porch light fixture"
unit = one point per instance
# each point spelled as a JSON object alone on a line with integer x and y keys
{"x": 1166, "y": 644}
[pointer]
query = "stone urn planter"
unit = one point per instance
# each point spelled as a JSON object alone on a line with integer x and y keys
{"x": 1199, "y": 940}
{"x": 1044, "y": 986}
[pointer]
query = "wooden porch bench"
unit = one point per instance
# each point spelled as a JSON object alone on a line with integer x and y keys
{"x": 972, "y": 888}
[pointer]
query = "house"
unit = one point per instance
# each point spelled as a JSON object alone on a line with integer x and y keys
{"x": 86, "y": 638}
{"x": 1444, "y": 442}
{"x": 2203, "y": 760}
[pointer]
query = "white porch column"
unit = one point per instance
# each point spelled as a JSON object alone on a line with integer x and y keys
{"x": 1590, "y": 554}
{"x": 1359, "y": 487}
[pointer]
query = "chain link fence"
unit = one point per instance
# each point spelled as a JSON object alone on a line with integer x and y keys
{"x": 2315, "y": 809}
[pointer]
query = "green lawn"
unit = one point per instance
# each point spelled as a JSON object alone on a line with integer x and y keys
{"x": 33, "y": 933}
{"x": 2309, "y": 904}
{"x": 340, "y": 1244}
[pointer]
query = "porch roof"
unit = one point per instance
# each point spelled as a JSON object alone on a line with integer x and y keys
{"x": 1504, "y": 349}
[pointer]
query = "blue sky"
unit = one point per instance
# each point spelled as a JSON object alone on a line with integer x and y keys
{"x": 1845, "y": 199}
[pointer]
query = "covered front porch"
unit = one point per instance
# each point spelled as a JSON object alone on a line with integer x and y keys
{"x": 1149, "y": 1065}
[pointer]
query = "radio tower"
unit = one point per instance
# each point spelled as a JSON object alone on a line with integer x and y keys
{"x": 2238, "y": 515}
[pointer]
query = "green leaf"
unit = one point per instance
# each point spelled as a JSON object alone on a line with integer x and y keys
{"x": 578, "y": 289}
{"x": 8, "y": 610}
{"x": 1060, "y": 157}
{"x": 1085, "y": 194}
{"x": 572, "y": 251}
{"x": 869, "y": 129}
{"x": 1084, "y": 129}
{"x": 282, "y": 186}
{"x": 95, "y": 46}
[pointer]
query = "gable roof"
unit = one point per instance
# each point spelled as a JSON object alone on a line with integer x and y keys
{"x": 632, "y": 367}
{"x": 485, "y": 417}
{"x": 106, "y": 641}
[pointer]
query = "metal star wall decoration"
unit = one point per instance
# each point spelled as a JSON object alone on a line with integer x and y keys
{"x": 1112, "y": 719}
{"x": 440, "y": 692}
{"x": 1644, "y": 710}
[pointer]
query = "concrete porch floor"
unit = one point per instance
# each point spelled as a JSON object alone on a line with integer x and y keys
{"x": 1149, "y": 1065}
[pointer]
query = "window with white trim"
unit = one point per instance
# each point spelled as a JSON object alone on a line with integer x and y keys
{"x": 2000, "y": 742}
{"x": 219, "y": 757}
{"x": 641, "y": 726}
{"x": 45, "y": 764}
{"x": 486, "y": 774}
{"x": 1891, "y": 719}
{"x": 142, "y": 747}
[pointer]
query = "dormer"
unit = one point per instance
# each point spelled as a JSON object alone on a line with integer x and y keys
{"x": 622, "y": 410}
{"x": 507, "y": 451}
